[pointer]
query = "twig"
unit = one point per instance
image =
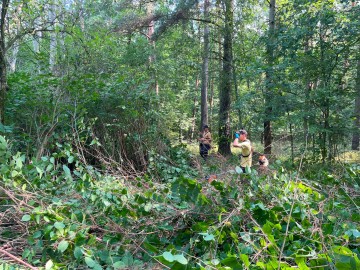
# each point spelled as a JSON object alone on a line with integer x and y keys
{"x": 17, "y": 259}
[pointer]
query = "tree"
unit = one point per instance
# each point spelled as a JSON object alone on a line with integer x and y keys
{"x": 269, "y": 83}
{"x": 356, "y": 133}
{"x": 205, "y": 68}
{"x": 3, "y": 72}
{"x": 226, "y": 81}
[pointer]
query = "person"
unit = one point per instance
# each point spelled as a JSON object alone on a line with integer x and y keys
{"x": 263, "y": 163}
{"x": 241, "y": 141}
{"x": 205, "y": 142}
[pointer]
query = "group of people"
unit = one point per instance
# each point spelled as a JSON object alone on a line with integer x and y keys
{"x": 241, "y": 141}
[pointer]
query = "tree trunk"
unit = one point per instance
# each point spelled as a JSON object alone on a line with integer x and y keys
{"x": 150, "y": 33}
{"x": 356, "y": 133}
{"x": 269, "y": 80}
{"x": 12, "y": 60}
{"x": 3, "y": 81}
{"x": 205, "y": 69}
{"x": 53, "y": 38}
{"x": 225, "y": 86}
{"x": 193, "y": 116}
{"x": 237, "y": 96}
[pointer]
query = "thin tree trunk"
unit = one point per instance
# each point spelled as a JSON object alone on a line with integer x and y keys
{"x": 3, "y": 80}
{"x": 205, "y": 69}
{"x": 237, "y": 96}
{"x": 193, "y": 117}
{"x": 15, "y": 49}
{"x": 269, "y": 81}
{"x": 291, "y": 138}
{"x": 356, "y": 133}
{"x": 225, "y": 86}
{"x": 308, "y": 88}
{"x": 53, "y": 38}
{"x": 150, "y": 33}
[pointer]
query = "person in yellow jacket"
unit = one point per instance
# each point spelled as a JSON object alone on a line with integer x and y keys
{"x": 241, "y": 141}
{"x": 205, "y": 142}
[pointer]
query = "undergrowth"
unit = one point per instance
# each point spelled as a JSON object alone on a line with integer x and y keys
{"x": 62, "y": 214}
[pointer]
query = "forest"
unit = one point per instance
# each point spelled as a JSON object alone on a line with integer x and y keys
{"x": 102, "y": 103}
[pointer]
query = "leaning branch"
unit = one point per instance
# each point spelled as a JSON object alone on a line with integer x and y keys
{"x": 7, "y": 254}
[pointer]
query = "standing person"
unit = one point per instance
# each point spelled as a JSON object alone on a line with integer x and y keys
{"x": 205, "y": 142}
{"x": 246, "y": 149}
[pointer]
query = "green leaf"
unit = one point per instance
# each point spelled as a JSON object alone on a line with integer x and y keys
{"x": 238, "y": 170}
{"x": 246, "y": 237}
{"x": 59, "y": 225}
{"x": 148, "y": 207}
{"x": 168, "y": 256}
{"x": 49, "y": 264}
{"x": 119, "y": 265}
{"x": 90, "y": 262}
{"x": 181, "y": 259}
{"x": 245, "y": 259}
{"x": 37, "y": 234}
{"x": 26, "y": 218}
{"x": 78, "y": 252}
{"x": 67, "y": 171}
{"x": 232, "y": 262}
{"x": 63, "y": 245}
{"x": 209, "y": 237}
{"x": 71, "y": 159}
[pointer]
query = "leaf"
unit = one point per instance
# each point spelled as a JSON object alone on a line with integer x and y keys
{"x": 49, "y": 264}
{"x": 238, "y": 170}
{"x": 37, "y": 234}
{"x": 209, "y": 237}
{"x": 168, "y": 256}
{"x": 40, "y": 171}
{"x": 148, "y": 207}
{"x": 246, "y": 237}
{"x": 78, "y": 252}
{"x": 26, "y": 218}
{"x": 59, "y": 225}
{"x": 232, "y": 262}
{"x": 63, "y": 245}
{"x": 67, "y": 171}
{"x": 90, "y": 262}
{"x": 71, "y": 159}
{"x": 245, "y": 259}
{"x": 119, "y": 265}
{"x": 181, "y": 259}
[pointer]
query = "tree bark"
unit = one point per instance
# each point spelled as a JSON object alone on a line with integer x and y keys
{"x": 53, "y": 38}
{"x": 150, "y": 33}
{"x": 225, "y": 84}
{"x": 12, "y": 60}
{"x": 205, "y": 69}
{"x": 356, "y": 133}
{"x": 269, "y": 80}
{"x": 3, "y": 80}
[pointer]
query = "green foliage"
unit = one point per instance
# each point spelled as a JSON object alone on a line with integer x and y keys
{"x": 82, "y": 218}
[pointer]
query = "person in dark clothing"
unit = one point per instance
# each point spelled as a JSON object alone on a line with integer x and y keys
{"x": 205, "y": 142}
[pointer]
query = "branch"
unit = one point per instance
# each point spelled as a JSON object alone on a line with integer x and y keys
{"x": 17, "y": 259}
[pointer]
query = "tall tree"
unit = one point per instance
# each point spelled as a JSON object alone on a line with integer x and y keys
{"x": 226, "y": 81}
{"x": 3, "y": 79}
{"x": 151, "y": 28}
{"x": 269, "y": 80}
{"x": 205, "y": 68}
{"x": 53, "y": 37}
{"x": 356, "y": 133}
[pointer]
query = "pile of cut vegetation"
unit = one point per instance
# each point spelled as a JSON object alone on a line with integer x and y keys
{"x": 75, "y": 217}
